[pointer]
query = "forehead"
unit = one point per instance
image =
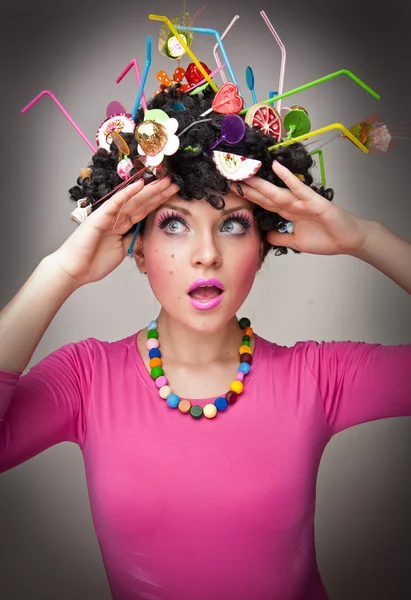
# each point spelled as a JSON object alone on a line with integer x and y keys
{"x": 196, "y": 207}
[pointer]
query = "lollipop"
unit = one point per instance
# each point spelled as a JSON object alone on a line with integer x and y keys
{"x": 232, "y": 130}
{"x": 227, "y": 101}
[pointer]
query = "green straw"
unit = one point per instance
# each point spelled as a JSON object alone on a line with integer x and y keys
{"x": 316, "y": 82}
{"x": 320, "y": 154}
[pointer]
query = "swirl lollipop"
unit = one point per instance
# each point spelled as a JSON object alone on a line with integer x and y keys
{"x": 232, "y": 130}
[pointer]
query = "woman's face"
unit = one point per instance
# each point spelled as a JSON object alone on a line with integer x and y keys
{"x": 184, "y": 242}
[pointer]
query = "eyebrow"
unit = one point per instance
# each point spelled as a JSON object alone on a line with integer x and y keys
{"x": 224, "y": 211}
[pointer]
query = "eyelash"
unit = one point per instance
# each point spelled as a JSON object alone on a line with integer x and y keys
{"x": 168, "y": 217}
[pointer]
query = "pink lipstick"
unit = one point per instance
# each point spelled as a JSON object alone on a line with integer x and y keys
{"x": 205, "y": 293}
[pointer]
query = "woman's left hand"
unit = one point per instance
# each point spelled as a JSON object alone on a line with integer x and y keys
{"x": 320, "y": 227}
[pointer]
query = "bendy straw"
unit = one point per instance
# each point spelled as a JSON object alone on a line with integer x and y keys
{"x": 134, "y": 63}
{"x": 320, "y": 156}
{"x": 283, "y": 56}
{"x": 186, "y": 48}
{"x": 301, "y": 88}
{"x": 301, "y": 138}
{"x": 144, "y": 78}
{"x": 65, "y": 113}
{"x": 215, "y": 33}
{"x": 223, "y": 35}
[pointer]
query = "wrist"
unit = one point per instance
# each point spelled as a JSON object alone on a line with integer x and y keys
{"x": 370, "y": 231}
{"x": 63, "y": 280}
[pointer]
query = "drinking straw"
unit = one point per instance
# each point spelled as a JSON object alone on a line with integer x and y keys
{"x": 317, "y": 82}
{"x": 203, "y": 80}
{"x": 215, "y": 33}
{"x": 144, "y": 78}
{"x": 63, "y": 110}
{"x": 134, "y": 63}
{"x": 283, "y": 55}
{"x": 186, "y": 48}
{"x": 320, "y": 155}
{"x": 223, "y": 35}
{"x": 300, "y": 138}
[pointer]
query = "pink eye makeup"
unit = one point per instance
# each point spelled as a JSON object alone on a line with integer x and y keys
{"x": 235, "y": 224}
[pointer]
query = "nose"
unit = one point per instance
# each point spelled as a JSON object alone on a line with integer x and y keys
{"x": 205, "y": 252}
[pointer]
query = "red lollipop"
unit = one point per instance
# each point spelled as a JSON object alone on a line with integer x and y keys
{"x": 193, "y": 74}
{"x": 227, "y": 101}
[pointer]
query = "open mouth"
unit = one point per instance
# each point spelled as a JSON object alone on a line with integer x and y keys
{"x": 205, "y": 293}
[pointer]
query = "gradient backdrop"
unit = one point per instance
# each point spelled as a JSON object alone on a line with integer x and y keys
{"x": 77, "y": 49}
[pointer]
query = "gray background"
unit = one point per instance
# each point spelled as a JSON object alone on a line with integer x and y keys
{"x": 363, "y": 523}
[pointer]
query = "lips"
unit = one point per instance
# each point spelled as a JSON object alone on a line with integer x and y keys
{"x": 205, "y": 293}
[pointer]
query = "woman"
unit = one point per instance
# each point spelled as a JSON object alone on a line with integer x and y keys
{"x": 201, "y": 440}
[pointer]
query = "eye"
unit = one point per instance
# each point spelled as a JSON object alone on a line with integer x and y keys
{"x": 236, "y": 225}
{"x": 172, "y": 224}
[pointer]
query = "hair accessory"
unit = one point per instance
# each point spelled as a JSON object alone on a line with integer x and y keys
{"x": 168, "y": 43}
{"x": 124, "y": 167}
{"x": 194, "y": 75}
{"x": 249, "y": 77}
{"x": 227, "y": 101}
{"x": 83, "y": 210}
{"x": 283, "y": 56}
{"x": 115, "y": 108}
{"x": 143, "y": 79}
{"x": 266, "y": 118}
{"x": 185, "y": 406}
{"x": 223, "y": 36}
{"x": 133, "y": 63}
{"x": 118, "y": 123}
{"x": 120, "y": 142}
{"x": 232, "y": 130}
{"x": 166, "y": 82}
{"x": 155, "y": 137}
{"x": 296, "y": 122}
{"x": 235, "y": 167}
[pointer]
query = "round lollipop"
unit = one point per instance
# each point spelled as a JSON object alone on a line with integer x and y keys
{"x": 232, "y": 130}
{"x": 120, "y": 143}
{"x": 296, "y": 122}
{"x": 115, "y": 108}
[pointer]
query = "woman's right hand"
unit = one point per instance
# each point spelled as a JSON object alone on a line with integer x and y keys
{"x": 94, "y": 249}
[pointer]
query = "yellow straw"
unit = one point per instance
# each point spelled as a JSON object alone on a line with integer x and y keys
{"x": 186, "y": 48}
{"x": 300, "y": 138}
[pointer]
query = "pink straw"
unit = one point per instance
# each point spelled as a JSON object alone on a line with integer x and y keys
{"x": 283, "y": 56}
{"x": 63, "y": 110}
{"x": 223, "y": 35}
{"x": 134, "y": 63}
{"x": 204, "y": 80}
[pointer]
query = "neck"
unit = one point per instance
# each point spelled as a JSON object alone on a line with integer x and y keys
{"x": 184, "y": 345}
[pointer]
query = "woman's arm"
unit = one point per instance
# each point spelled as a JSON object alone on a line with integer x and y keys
{"x": 387, "y": 252}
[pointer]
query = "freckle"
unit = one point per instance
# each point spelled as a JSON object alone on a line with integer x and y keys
{"x": 172, "y": 256}
{"x": 171, "y": 272}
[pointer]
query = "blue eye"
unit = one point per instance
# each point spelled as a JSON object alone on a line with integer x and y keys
{"x": 237, "y": 225}
{"x": 171, "y": 223}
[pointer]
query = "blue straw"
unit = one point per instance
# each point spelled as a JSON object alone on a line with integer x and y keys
{"x": 220, "y": 43}
{"x": 143, "y": 79}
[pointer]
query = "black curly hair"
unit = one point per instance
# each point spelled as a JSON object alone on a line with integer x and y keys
{"x": 192, "y": 167}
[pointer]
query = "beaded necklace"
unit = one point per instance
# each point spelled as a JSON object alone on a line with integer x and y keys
{"x": 185, "y": 407}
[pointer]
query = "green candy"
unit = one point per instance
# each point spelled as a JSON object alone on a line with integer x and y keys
{"x": 244, "y": 322}
{"x": 246, "y": 338}
{"x": 196, "y": 411}
{"x": 153, "y": 333}
{"x": 156, "y": 372}
{"x": 246, "y": 343}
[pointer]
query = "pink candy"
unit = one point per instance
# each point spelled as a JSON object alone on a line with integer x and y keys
{"x": 240, "y": 376}
{"x": 124, "y": 167}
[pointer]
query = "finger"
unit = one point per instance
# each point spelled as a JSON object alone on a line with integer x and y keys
{"x": 252, "y": 194}
{"x": 112, "y": 205}
{"x": 153, "y": 195}
{"x": 293, "y": 183}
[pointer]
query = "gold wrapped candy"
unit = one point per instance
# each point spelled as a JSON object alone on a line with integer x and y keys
{"x": 151, "y": 136}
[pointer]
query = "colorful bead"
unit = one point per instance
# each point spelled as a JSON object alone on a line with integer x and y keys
{"x": 184, "y": 406}
{"x": 160, "y": 381}
{"x": 156, "y": 372}
{"x": 153, "y": 343}
{"x": 155, "y": 362}
{"x": 196, "y": 411}
{"x": 246, "y": 343}
{"x": 165, "y": 391}
{"x": 245, "y": 349}
{"x": 152, "y": 325}
{"x": 153, "y": 333}
{"x": 231, "y": 397}
{"x": 209, "y": 411}
{"x": 154, "y": 353}
{"x": 221, "y": 403}
{"x": 173, "y": 400}
{"x": 240, "y": 376}
{"x": 244, "y": 322}
{"x": 246, "y": 338}
{"x": 244, "y": 367}
{"x": 246, "y": 358}
{"x": 248, "y": 331}
{"x": 236, "y": 386}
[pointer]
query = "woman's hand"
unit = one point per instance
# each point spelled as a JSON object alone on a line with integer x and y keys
{"x": 320, "y": 227}
{"x": 95, "y": 249}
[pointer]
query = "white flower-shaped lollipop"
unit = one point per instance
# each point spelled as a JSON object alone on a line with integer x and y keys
{"x": 155, "y": 137}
